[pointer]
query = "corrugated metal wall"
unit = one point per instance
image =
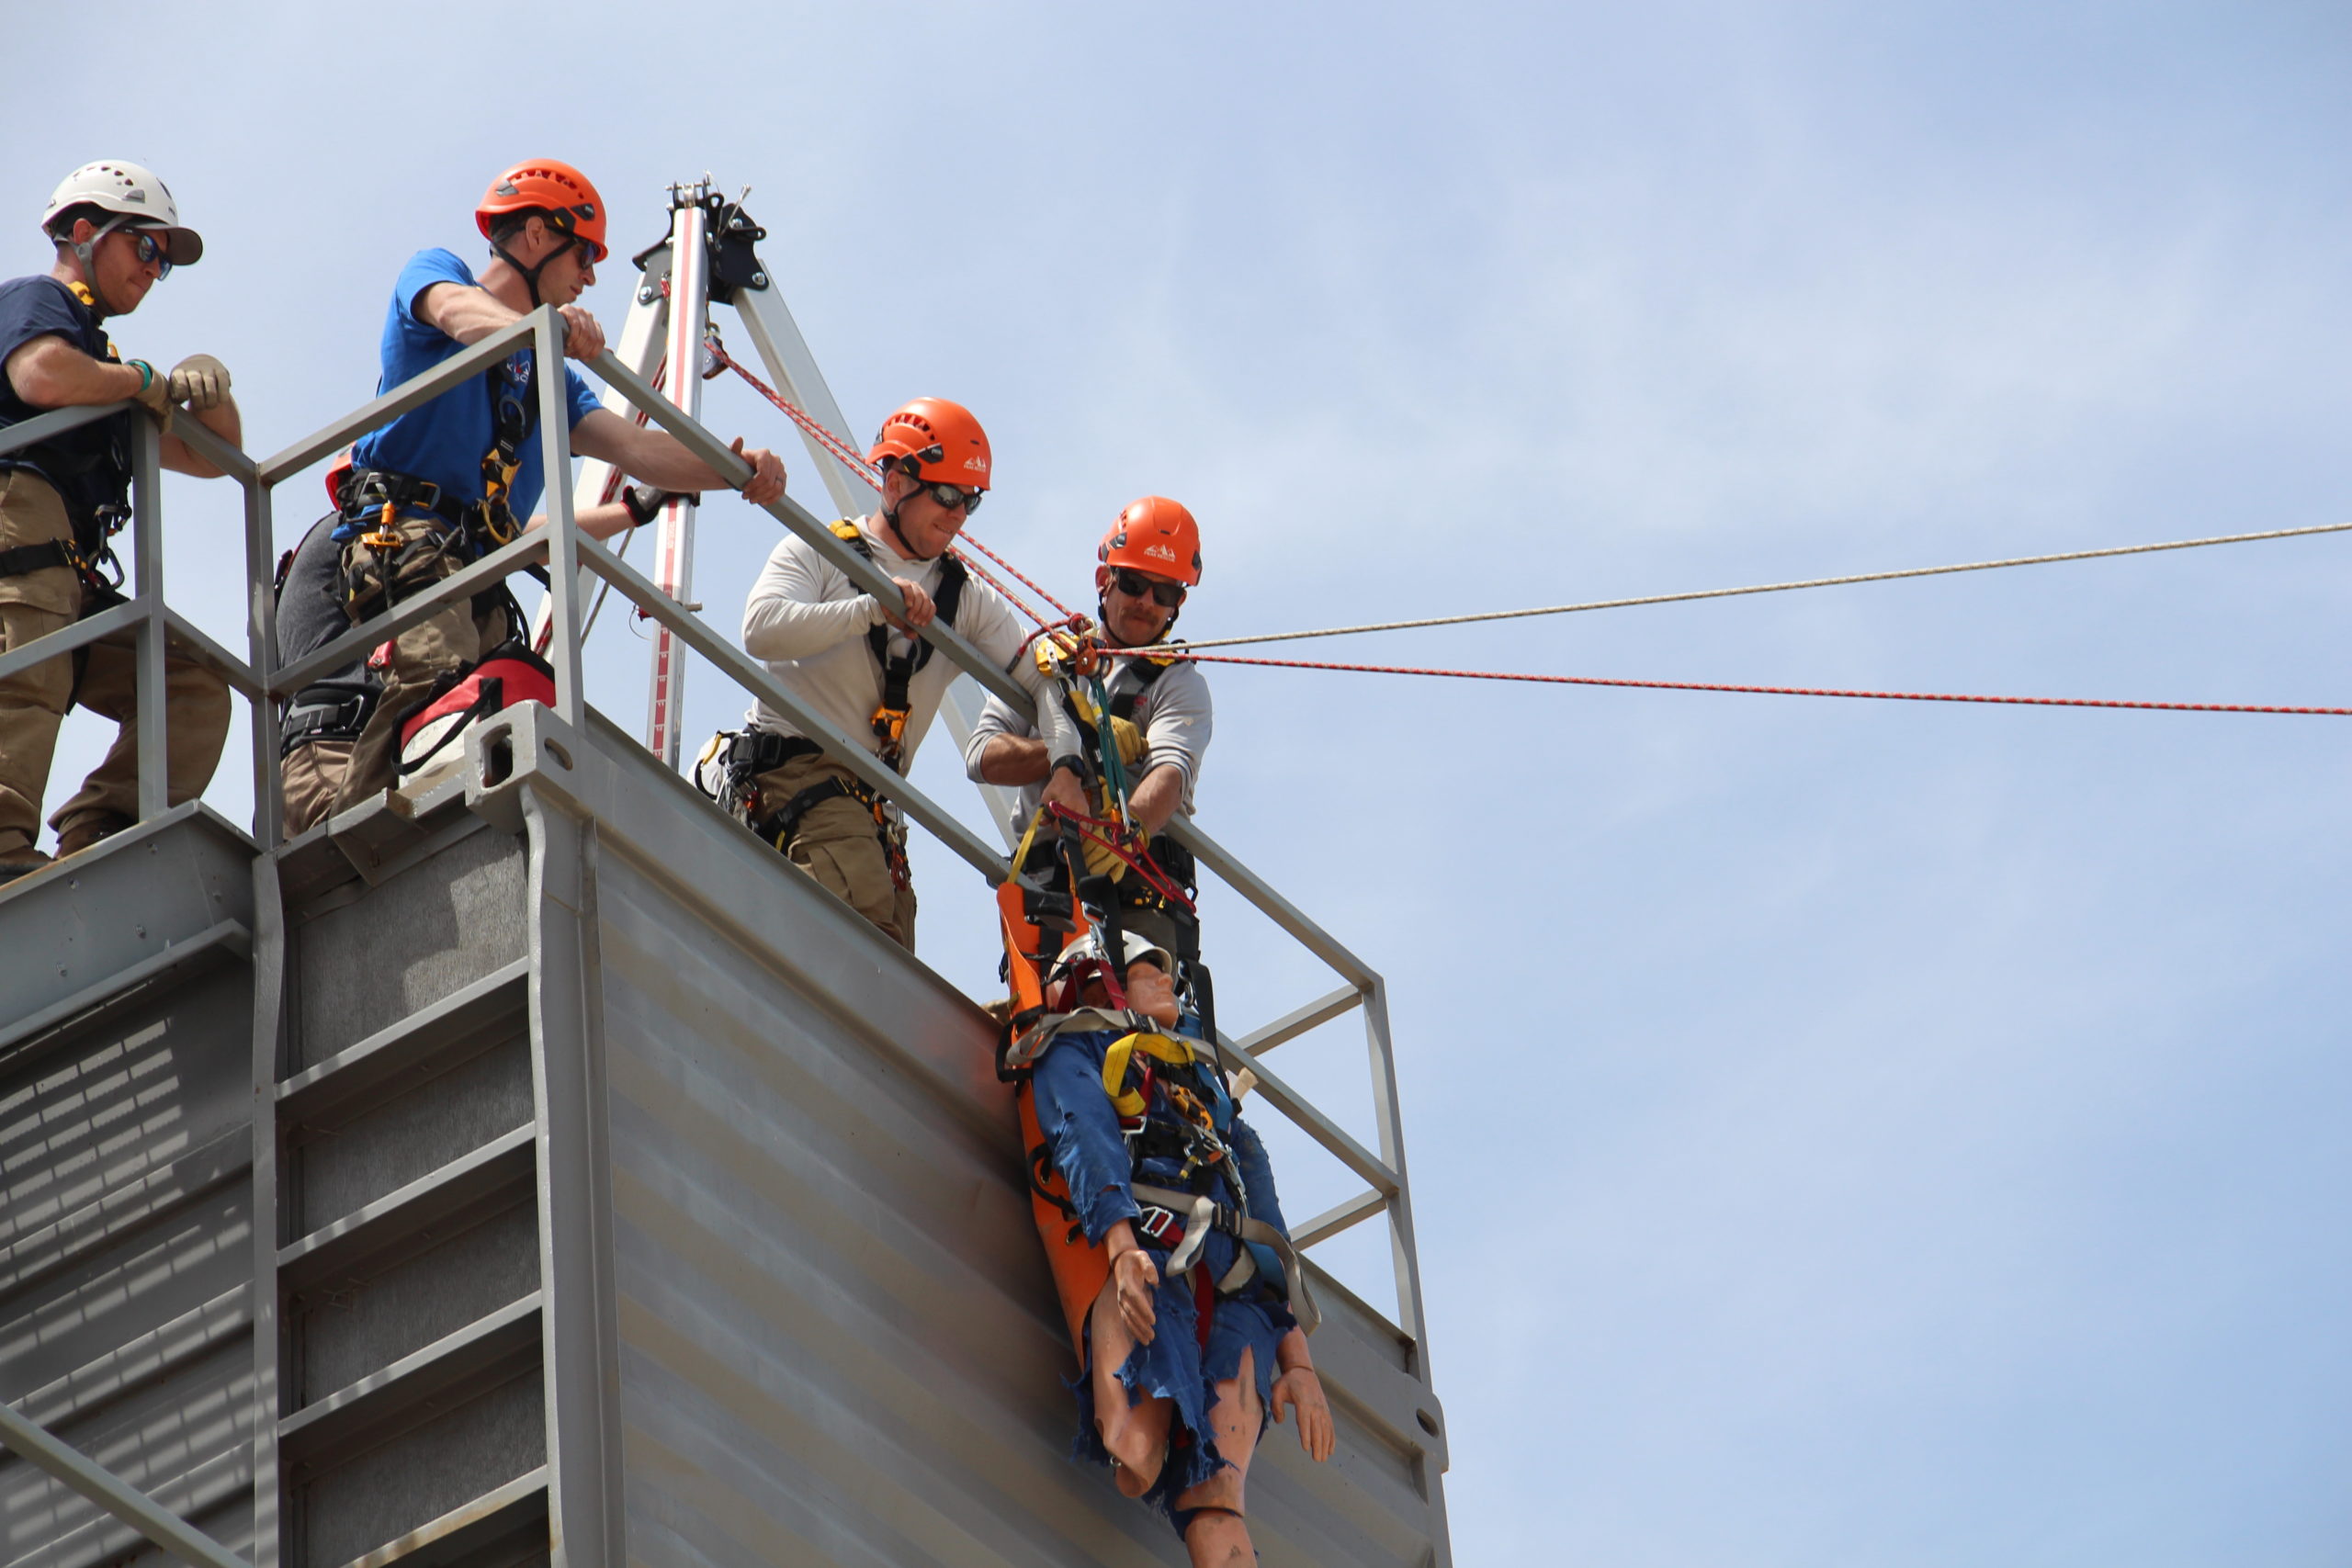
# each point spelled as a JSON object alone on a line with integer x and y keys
{"x": 624, "y": 1199}
{"x": 126, "y": 1197}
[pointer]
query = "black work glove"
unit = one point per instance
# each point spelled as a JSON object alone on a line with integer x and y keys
{"x": 644, "y": 502}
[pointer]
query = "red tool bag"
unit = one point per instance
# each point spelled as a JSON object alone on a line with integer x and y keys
{"x": 507, "y": 674}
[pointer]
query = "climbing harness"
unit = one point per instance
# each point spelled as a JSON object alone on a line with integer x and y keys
{"x": 372, "y": 500}
{"x": 729, "y": 772}
{"x": 898, "y": 669}
{"x": 88, "y": 553}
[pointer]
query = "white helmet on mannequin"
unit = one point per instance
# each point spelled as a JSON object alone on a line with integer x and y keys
{"x": 136, "y": 197}
{"x": 1089, "y": 949}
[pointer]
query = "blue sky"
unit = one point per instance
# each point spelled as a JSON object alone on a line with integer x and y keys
{"x": 1842, "y": 1132}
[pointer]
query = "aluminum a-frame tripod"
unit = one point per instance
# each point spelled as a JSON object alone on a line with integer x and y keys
{"x": 709, "y": 259}
{"x": 706, "y": 260}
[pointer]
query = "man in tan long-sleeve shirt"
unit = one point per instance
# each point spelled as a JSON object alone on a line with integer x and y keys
{"x": 859, "y": 665}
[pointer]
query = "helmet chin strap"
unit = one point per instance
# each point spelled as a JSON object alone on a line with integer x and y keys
{"x": 531, "y": 274}
{"x": 890, "y": 522}
{"x": 83, "y": 253}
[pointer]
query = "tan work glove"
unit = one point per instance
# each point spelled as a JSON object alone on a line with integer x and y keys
{"x": 155, "y": 396}
{"x": 1130, "y": 739}
{"x": 199, "y": 381}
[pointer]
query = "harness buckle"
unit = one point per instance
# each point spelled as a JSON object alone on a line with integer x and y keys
{"x": 383, "y": 536}
{"x": 1162, "y": 1226}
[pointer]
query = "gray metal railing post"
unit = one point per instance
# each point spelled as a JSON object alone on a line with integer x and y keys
{"x": 1403, "y": 1251}
{"x": 261, "y": 637}
{"x": 147, "y": 556}
{"x": 564, "y": 535}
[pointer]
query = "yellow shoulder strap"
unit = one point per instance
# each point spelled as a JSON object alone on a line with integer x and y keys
{"x": 845, "y": 531}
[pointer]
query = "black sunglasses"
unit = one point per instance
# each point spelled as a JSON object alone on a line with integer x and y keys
{"x": 1134, "y": 585}
{"x": 148, "y": 248}
{"x": 953, "y": 499}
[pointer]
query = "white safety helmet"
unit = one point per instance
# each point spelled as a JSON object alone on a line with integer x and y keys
{"x": 1090, "y": 948}
{"x": 138, "y": 199}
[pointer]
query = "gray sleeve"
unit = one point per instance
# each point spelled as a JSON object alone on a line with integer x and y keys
{"x": 997, "y": 718}
{"x": 1182, "y": 719}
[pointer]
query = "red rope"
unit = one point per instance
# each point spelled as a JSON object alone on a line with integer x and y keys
{"x": 857, "y": 465}
{"x": 1061, "y": 608}
{"x": 1764, "y": 691}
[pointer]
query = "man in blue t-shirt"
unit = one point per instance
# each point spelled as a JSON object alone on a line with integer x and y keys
{"x": 117, "y": 233}
{"x": 441, "y": 486}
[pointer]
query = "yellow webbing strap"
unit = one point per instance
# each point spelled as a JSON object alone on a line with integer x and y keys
{"x": 1128, "y": 1102}
{"x": 1020, "y": 855}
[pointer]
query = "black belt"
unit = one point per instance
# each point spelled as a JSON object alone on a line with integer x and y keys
{"x": 26, "y": 559}
{"x": 319, "y": 721}
{"x": 759, "y": 750}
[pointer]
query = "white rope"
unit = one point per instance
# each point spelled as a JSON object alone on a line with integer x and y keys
{"x": 1734, "y": 593}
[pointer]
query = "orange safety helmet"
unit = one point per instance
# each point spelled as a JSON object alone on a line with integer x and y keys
{"x": 1158, "y": 536}
{"x": 558, "y": 191}
{"x": 936, "y": 441}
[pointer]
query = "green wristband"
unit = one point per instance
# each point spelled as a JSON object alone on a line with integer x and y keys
{"x": 146, "y": 374}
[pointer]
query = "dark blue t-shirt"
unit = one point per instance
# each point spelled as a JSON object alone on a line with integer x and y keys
{"x": 445, "y": 440}
{"x": 90, "y": 466}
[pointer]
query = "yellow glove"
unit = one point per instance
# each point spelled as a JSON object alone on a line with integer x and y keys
{"x": 1130, "y": 739}
{"x": 199, "y": 381}
{"x": 1100, "y": 860}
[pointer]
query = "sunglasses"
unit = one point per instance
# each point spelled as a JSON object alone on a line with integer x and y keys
{"x": 964, "y": 500}
{"x": 150, "y": 251}
{"x": 1136, "y": 585}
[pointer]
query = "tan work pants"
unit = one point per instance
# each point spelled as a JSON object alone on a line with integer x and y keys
{"x": 33, "y": 703}
{"x": 838, "y": 843}
{"x": 328, "y": 777}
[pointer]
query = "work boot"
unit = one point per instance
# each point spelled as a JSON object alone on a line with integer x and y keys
{"x": 22, "y": 860}
{"x": 82, "y": 829}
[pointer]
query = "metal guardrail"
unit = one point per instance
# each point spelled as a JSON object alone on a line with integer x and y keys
{"x": 566, "y": 552}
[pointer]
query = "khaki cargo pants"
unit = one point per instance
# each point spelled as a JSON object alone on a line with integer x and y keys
{"x": 33, "y": 703}
{"x": 328, "y": 777}
{"x": 837, "y": 842}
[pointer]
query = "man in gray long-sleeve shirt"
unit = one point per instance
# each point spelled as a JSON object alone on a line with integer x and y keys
{"x": 860, "y": 665}
{"x": 1159, "y": 711}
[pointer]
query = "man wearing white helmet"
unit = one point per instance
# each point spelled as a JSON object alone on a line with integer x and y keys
{"x": 117, "y": 233}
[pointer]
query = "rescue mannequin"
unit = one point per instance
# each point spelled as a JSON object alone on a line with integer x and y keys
{"x": 117, "y": 233}
{"x": 1173, "y": 1401}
